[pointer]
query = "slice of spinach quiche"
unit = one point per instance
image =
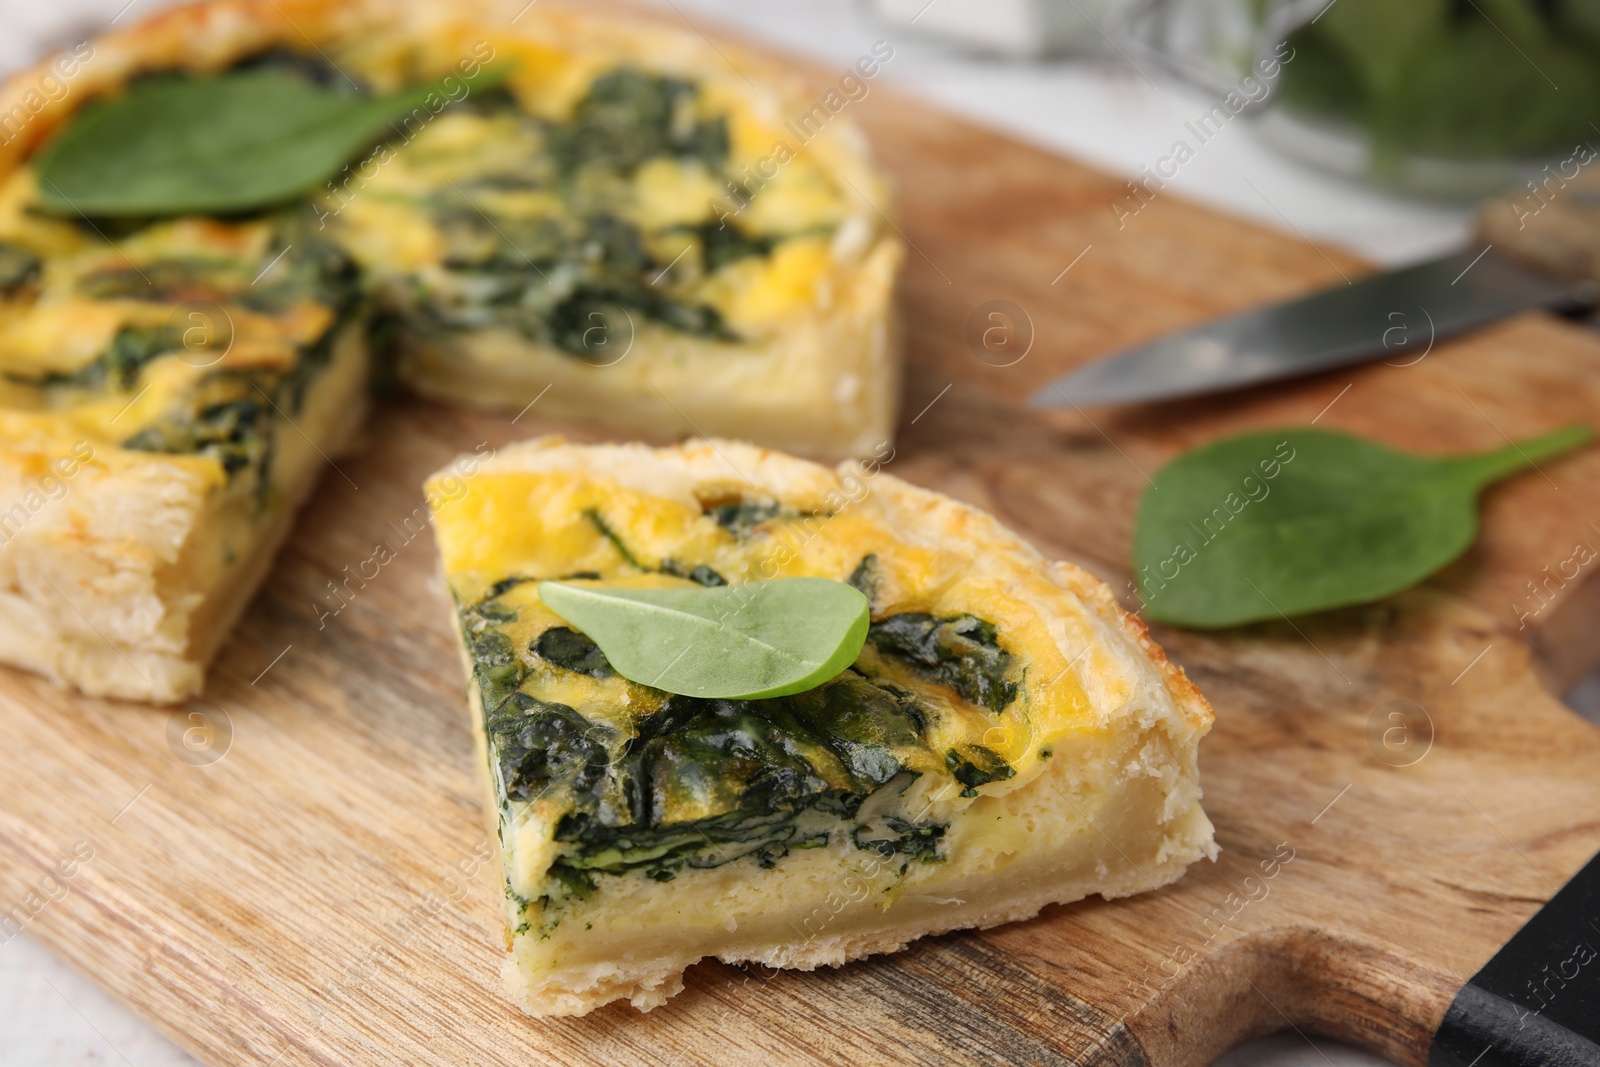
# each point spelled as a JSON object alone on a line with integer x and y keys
{"x": 1007, "y": 738}
{"x": 616, "y": 223}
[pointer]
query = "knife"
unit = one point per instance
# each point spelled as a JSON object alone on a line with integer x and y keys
{"x": 1537, "y": 1002}
{"x": 1394, "y": 316}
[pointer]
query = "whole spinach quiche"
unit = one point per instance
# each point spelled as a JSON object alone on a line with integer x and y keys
{"x": 1007, "y": 737}
{"x": 610, "y": 219}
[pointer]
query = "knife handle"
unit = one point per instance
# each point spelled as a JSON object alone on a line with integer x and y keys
{"x": 1552, "y": 221}
{"x": 1537, "y": 1003}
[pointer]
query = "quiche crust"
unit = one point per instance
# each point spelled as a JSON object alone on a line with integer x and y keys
{"x": 1098, "y": 736}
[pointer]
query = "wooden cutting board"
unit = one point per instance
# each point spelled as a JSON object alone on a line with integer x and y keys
{"x": 308, "y": 885}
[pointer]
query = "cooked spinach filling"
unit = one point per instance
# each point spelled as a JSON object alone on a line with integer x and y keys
{"x": 699, "y": 573}
{"x": 705, "y": 782}
{"x": 962, "y": 652}
{"x": 576, "y": 283}
{"x": 303, "y": 265}
{"x": 573, "y": 284}
{"x": 226, "y": 419}
{"x": 741, "y": 519}
{"x": 697, "y": 783}
{"x": 919, "y": 841}
{"x": 230, "y": 415}
{"x": 117, "y": 367}
{"x": 570, "y": 650}
{"x": 722, "y": 243}
{"x": 300, "y": 265}
{"x": 866, "y": 576}
{"x": 234, "y": 416}
{"x": 316, "y": 69}
{"x": 495, "y": 666}
{"x": 975, "y": 765}
{"x": 19, "y": 268}
{"x": 166, "y": 281}
{"x": 610, "y": 534}
{"x": 629, "y": 117}
{"x": 744, "y": 519}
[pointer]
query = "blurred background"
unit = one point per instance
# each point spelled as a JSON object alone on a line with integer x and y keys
{"x": 1375, "y": 125}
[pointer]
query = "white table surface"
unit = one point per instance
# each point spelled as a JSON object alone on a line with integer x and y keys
{"x": 1096, "y": 109}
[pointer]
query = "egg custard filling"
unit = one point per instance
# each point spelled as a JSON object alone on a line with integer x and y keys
{"x": 583, "y": 213}
{"x": 1007, "y": 737}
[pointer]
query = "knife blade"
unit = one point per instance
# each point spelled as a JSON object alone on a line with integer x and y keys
{"x": 1395, "y": 315}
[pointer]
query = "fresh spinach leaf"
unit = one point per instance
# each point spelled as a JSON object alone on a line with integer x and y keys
{"x": 1449, "y": 78}
{"x": 1287, "y": 522}
{"x": 237, "y": 141}
{"x": 763, "y": 639}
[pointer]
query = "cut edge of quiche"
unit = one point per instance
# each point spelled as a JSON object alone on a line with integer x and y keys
{"x": 1009, "y": 737}
{"x": 122, "y": 572}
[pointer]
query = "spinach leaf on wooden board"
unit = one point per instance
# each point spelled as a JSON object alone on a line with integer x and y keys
{"x": 1292, "y": 521}
{"x": 763, "y": 639}
{"x": 238, "y": 141}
